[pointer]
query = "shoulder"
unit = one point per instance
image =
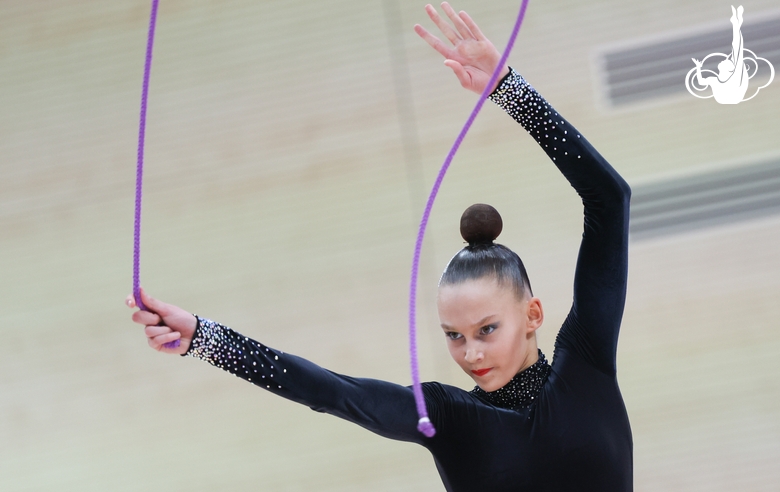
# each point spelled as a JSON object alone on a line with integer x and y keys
{"x": 457, "y": 404}
{"x": 440, "y": 391}
{"x": 448, "y": 396}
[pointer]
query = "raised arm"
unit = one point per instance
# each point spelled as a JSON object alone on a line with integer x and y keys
{"x": 702, "y": 81}
{"x": 592, "y": 327}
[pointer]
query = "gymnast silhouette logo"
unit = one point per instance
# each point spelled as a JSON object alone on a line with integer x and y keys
{"x": 735, "y": 70}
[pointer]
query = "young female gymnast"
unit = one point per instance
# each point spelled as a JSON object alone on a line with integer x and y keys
{"x": 527, "y": 425}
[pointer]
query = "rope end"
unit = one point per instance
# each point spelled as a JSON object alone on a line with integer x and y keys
{"x": 172, "y": 345}
{"x": 425, "y": 426}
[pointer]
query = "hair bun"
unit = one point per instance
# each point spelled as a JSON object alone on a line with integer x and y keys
{"x": 480, "y": 224}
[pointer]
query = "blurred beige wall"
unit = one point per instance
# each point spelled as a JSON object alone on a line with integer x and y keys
{"x": 279, "y": 200}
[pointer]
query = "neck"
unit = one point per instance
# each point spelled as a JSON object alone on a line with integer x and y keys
{"x": 531, "y": 355}
{"x": 521, "y": 391}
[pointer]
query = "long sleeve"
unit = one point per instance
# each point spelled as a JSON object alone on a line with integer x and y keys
{"x": 592, "y": 326}
{"x": 384, "y": 408}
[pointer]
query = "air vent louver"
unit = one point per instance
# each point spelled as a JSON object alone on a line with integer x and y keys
{"x": 705, "y": 199}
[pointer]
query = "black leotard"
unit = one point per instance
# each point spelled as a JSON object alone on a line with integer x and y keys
{"x": 558, "y": 428}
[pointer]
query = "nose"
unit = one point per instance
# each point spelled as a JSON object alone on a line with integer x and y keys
{"x": 473, "y": 354}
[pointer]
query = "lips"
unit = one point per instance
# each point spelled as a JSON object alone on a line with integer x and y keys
{"x": 482, "y": 372}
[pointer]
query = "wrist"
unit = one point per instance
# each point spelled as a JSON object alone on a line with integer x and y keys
{"x": 197, "y": 335}
{"x": 512, "y": 82}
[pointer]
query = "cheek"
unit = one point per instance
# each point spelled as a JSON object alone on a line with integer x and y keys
{"x": 502, "y": 353}
{"x": 510, "y": 347}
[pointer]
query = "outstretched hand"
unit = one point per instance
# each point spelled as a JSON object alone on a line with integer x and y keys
{"x": 164, "y": 323}
{"x": 472, "y": 57}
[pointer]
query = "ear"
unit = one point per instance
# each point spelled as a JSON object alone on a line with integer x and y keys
{"x": 535, "y": 314}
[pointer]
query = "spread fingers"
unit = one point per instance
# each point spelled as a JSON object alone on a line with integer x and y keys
{"x": 445, "y": 28}
{"x": 461, "y": 26}
{"x": 434, "y": 42}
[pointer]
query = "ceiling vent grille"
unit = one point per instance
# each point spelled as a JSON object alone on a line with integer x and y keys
{"x": 652, "y": 70}
{"x": 705, "y": 200}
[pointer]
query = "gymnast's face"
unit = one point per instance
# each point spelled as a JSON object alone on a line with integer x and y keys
{"x": 490, "y": 333}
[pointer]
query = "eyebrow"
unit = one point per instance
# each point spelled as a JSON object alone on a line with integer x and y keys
{"x": 478, "y": 323}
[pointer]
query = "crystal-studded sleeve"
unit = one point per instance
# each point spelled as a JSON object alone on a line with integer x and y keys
{"x": 385, "y": 408}
{"x": 592, "y": 326}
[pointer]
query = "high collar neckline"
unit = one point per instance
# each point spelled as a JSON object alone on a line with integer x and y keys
{"x": 521, "y": 391}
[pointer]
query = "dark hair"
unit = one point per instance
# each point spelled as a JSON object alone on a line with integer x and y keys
{"x": 480, "y": 224}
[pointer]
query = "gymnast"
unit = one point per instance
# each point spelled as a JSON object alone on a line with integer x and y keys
{"x": 527, "y": 425}
{"x": 731, "y": 84}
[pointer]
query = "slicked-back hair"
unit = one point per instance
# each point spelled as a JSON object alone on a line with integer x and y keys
{"x": 492, "y": 260}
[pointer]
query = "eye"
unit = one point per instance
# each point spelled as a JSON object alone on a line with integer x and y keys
{"x": 487, "y": 330}
{"x": 453, "y": 335}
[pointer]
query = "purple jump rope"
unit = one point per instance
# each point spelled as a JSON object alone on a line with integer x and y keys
{"x": 139, "y": 176}
{"x": 424, "y": 425}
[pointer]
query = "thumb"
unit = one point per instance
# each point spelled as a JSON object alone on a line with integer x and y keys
{"x": 460, "y": 73}
{"x": 153, "y": 305}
